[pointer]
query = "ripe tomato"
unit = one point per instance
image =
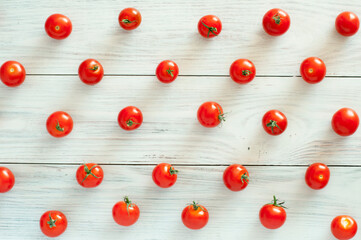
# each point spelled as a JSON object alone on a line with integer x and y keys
{"x": 195, "y": 216}
{"x": 347, "y": 24}
{"x": 274, "y": 122}
{"x": 313, "y": 70}
{"x": 242, "y": 71}
{"x": 7, "y": 180}
{"x": 273, "y": 215}
{"x": 59, "y": 124}
{"x": 12, "y": 73}
{"x": 345, "y": 122}
{"x": 210, "y": 114}
{"x": 130, "y": 118}
{"x": 90, "y": 71}
{"x": 125, "y": 212}
{"x": 58, "y": 26}
{"x": 164, "y": 175}
{"x": 53, "y": 223}
{"x": 317, "y": 176}
{"x": 89, "y": 175}
{"x": 276, "y": 22}
{"x": 129, "y": 18}
{"x": 209, "y": 26}
{"x": 236, "y": 177}
{"x": 167, "y": 71}
{"x": 343, "y": 227}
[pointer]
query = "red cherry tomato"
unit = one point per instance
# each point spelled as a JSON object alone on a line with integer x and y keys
{"x": 58, "y": 26}
{"x": 317, "y": 176}
{"x": 347, "y": 24}
{"x": 12, "y": 73}
{"x": 125, "y": 212}
{"x": 276, "y": 22}
{"x": 345, "y": 122}
{"x": 273, "y": 215}
{"x": 195, "y": 216}
{"x": 89, "y": 175}
{"x": 210, "y": 114}
{"x": 167, "y": 71}
{"x": 7, "y": 180}
{"x": 53, "y": 223}
{"x": 130, "y": 118}
{"x": 236, "y": 177}
{"x": 242, "y": 71}
{"x": 59, "y": 124}
{"x": 209, "y": 26}
{"x": 129, "y": 18}
{"x": 343, "y": 227}
{"x": 274, "y": 122}
{"x": 164, "y": 175}
{"x": 313, "y": 70}
{"x": 90, "y": 71}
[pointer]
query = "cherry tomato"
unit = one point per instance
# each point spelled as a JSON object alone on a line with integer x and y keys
{"x": 53, "y": 223}
{"x": 90, "y": 71}
{"x": 130, "y": 118}
{"x": 58, "y": 26}
{"x": 7, "y": 180}
{"x": 164, "y": 175}
{"x": 210, "y": 114}
{"x": 347, "y": 24}
{"x": 209, "y": 26}
{"x": 125, "y": 212}
{"x": 59, "y": 124}
{"x": 12, "y": 73}
{"x": 242, "y": 71}
{"x": 274, "y": 122}
{"x": 195, "y": 216}
{"x": 345, "y": 122}
{"x": 167, "y": 71}
{"x": 273, "y": 215}
{"x": 343, "y": 227}
{"x": 236, "y": 177}
{"x": 276, "y": 22}
{"x": 89, "y": 175}
{"x": 129, "y": 18}
{"x": 317, "y": 176}
{"x": 313, "y": 70}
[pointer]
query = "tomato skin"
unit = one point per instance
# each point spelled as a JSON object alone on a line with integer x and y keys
{"x": 209, "y": 26}
{"x": 129, "y": 18}
{"x": 164, "y": 175}
{"x": 167, "y": 71}
{"x": 195, "y": 216}
{"x": 271, "y": 24}
{"x": 272, "y": 215}
{"x": 242, "y": 71}
{"x": 313, "y": 70}
{"x": 347, "y": 24}
{"x": 345, "y": 122}
{"x": 210, "y": 114}
{"x": 90, "y": 72}
{"x": 59, "y": 124}
{"x": 12, "y": 73}
{"x": 60, "y": 224}
{"x": 236, "y": 177}
{"x": 343, "y": 227}
{"x": 7, "y": 180}
{"x": 274, "y": 117}
{"x": 130, "y": 118}
{"x": 85, "y": 175}
{"x": 125, "y": 217}
{"x": 58, "y": 26}
{"x": 317, "y": 176}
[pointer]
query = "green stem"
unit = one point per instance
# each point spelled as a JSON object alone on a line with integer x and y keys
{"x": 89, "y": 172}
{"x": 172, "y": 171}
{"x": 94, "y": 68}
{"x": 127, "y": 21}
{"x": 273, "y": 124}
{"x": 58, "y": 127}
{"x": 212, "y": 30}
{"x": 51, "y": 222}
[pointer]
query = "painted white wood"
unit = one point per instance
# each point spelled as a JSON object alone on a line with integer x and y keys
{"x": 168, "y": 31}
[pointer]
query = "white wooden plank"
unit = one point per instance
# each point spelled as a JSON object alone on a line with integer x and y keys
{"x": 168, "y": 31}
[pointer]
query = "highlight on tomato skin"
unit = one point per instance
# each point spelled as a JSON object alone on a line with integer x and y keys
{"x": 317, "y": 176}
{"x": 58, "y": 26}
{"x": 344, "y": 227}
{"x": 12, "y": 73}
{"x": 347, "y": 24}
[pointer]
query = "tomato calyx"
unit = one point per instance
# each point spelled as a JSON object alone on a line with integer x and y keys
{"x": 51, "y": 222}
{"x": 127, "y": 21}
{"x": 212, "y": 30}
{"x": 196, "y": 206}
{"x": 89, "y": 172}
{"x": 272, "y": 124}
{"x": 130, "y": 123}
{"x": 58, "y": 127}
{"x": 128, "y": 202}
{"x": 275, "y": 202}
{"x": 277, "y": 19}
{"x": 244, "y": 178}
{"x": 170, "y": 72}
{"x": 246, "y": 72}
{"x": 94, "y": 68}
{"x": 221, "y": 116}
{"x": 172, "y": 171}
